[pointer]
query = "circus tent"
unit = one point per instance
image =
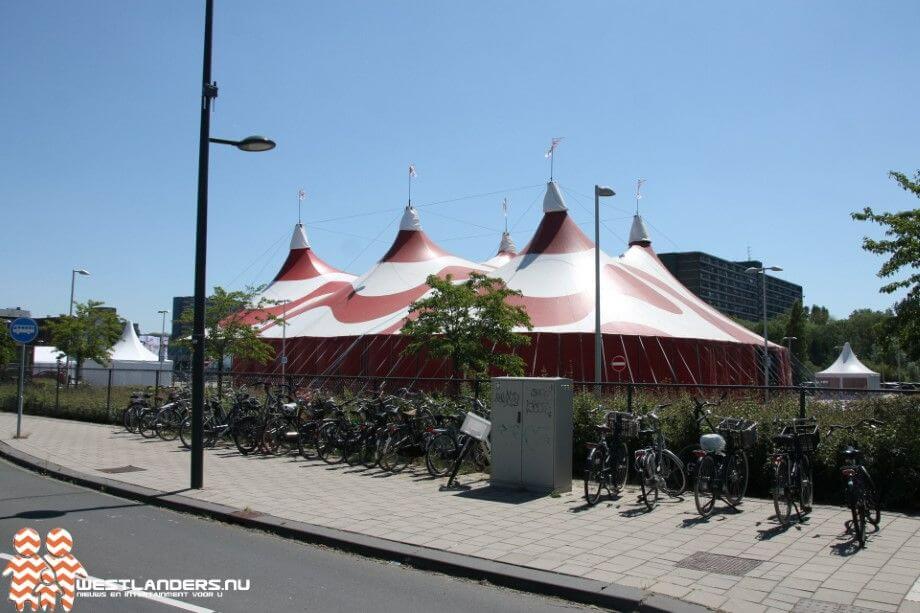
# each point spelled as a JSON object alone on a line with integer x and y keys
{"x": 650, "y": 321}
{"x": 355, "y": 328}
{"x": 303, "y": 277}
{"x": 849, "y": 372}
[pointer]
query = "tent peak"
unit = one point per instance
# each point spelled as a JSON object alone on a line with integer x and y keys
{"x": 299, "y": 238}
{"x": 638, "y": 234}
{"x": 553, "y": 201}
{"x": 507, "y": 245}
{"x": 410, "y": 220}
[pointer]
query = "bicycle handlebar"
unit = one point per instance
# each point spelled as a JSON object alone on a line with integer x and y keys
{"x": 869, "y": 421}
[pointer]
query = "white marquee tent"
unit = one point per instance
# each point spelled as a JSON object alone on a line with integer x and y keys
{"x": 131, "y": 364}
{"x": 848, "y": 372}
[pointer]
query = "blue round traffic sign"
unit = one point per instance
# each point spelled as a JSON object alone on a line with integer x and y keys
{"x": 23, "y": 330}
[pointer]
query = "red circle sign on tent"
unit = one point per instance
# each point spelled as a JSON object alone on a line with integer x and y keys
{"x": 618, "y": 363}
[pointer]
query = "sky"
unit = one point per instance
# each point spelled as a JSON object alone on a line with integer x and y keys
{"x": 757, "y": 126}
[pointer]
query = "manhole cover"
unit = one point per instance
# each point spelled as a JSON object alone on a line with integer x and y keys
{"x": 808, "y": 605}
{"x": 121, "y": 469}
{"x": 718, "y": 563}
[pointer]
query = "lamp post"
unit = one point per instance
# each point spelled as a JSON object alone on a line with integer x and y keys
{"x": 599, "y": 190}
{"x": 284, "y": 304}
{"x": 762, "y": 270}
{"x": 73, "y": 283}
{"x": 251, "y": 143}
{"x": 162, "y": 332}
{"x": 788, "y": 340}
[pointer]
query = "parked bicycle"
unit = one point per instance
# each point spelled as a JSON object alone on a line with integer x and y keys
{"x": 658, "y": 468}
{"x": 861, "y": 493}
{"x": 793, "y": 486}
{"x": 722, "y": 464}
{"x": 607, "y": 464}
{"x": 447, "y": 440}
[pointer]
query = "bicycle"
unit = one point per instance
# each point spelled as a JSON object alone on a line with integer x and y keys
{"x": 607, "y": 464}
{"x": 793, "y": 485}
{"x": 861, "y": 493}
{"x": 722, "y": 464}
{"x": 447, "y": 440}
{"x": 658, "y": 468}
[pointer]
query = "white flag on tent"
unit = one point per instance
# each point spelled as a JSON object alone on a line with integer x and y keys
{"x": 412, "y": 172}
{"x": 301, "y": 195}
{"x": 639, "y": 183}
{"x": 552, "y": 146}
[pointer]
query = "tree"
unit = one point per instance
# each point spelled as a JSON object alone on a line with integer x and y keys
{"x": 795, "y": 327}
{"x": 470, "y": 323}
{"x": 229, "y": 320}
{"x": 902, "y": 245}
{"x": 87, "y": 335}
{"x": 7, "y": 347}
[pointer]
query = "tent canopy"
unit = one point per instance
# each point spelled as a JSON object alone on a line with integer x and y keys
{"x": 848, "y": 365}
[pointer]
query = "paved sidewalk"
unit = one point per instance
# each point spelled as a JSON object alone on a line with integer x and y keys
{"x": 799, "y": 569}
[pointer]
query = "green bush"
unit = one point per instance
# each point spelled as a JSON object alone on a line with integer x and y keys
{"x": 83, "y": 403}
{"x": 892, "y": 452}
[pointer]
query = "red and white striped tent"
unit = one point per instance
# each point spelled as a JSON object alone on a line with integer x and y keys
{"x": 652, "y": 325}
{"x": 303, "y": 277}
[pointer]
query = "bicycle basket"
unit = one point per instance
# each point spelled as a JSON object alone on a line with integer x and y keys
{"x": 805, "y": 430}
{"x": 624, "y": 424}
{"x": 740, "y": 433}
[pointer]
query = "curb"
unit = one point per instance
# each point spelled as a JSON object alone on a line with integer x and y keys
{"x": 577, "y": 589}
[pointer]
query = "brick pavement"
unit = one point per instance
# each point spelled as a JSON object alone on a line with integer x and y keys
{"x": 616, "y": 541}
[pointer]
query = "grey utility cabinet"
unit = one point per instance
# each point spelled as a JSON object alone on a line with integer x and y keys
{"x": 532, "y": 433}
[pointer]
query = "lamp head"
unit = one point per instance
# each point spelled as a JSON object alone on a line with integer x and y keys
{"x": 256, "y": 144}
{"x": 604, "y": 191}
{"x": 80, "y": 271}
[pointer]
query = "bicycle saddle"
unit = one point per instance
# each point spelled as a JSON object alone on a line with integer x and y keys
{"x": 603, "y": 428}
{"x": 851, "y": 453}
{"x": 409, "y": 412}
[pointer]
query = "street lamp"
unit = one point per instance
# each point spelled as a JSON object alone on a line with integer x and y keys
{"x": 252, "y": 144}
{"x": 284, "y": 304}
{"x": 606, "y": 192}
{"x": 788, "y": 340}
{"x": 73, "y": 283}
{"x": 762, "y": 270}
{"x": 162, "y": 331}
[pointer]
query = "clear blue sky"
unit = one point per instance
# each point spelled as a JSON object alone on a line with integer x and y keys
{"x": 755, "y": 124}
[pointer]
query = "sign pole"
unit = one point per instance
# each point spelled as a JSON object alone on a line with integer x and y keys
{"x": 22, "y": 379}
{"x": 23, "y": 331}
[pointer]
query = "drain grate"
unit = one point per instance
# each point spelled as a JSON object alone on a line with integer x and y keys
{"x": 121, "y": 469}
{"x": 718, "y": 563}
{"x": 808, "y": 605}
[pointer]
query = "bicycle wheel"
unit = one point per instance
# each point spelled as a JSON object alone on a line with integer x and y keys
{"x": 440, "y": 455}
{"x": 649, "y": 480}
{"x": 129, "y": 418}
{"x": 690, "y": 462}
{"x": 782, "y": 497}
{"x": 373, "y": 448}
{"x": 247, "y": 434}
{"x": 280, "y": 436}
{"x": 147, "y": 425}
{"x": 168, "y": 424}
{"x": 671, "y": 473}
{"x": 859, "y": 520}
{"x": 805, "y": 483}
{"x": 209, "y": 432}
{"x": 704, "y": 493}
{"x": 735, "y": 478}
{"x": 306, "y": 442}
{"x": 595, "y": 474}
{"x": 354, "y": 448}
{"x": 185, "y": 432}
{"x": 873, "y": 510}
{"x": 619, "y": 467}
{"x": 330, "y": 446}
{"x": 480, "y": 456}
{"x": 392, "y": 457}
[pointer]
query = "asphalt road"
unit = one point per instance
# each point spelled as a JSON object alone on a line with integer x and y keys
{"x": 120, "y": 539}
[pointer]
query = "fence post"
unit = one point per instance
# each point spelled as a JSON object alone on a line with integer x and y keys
{"x": 476, "y": 388}
{"x": 108, "y": 394}
{"x": 57, "y": 389}
{"x": 156, "y": 388}
{"x": 802, "y": 402}
{"x": 629, "y": 397}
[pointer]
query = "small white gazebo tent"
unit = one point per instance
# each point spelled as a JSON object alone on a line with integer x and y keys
{"x": 848, "y": 372}
{"x": 131, "y": 364}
